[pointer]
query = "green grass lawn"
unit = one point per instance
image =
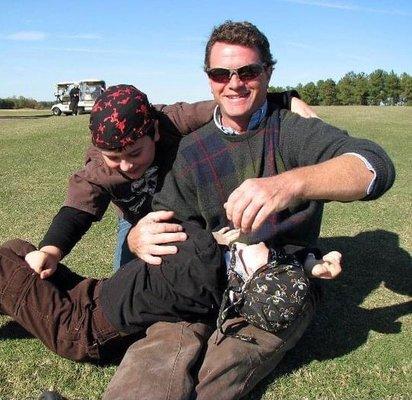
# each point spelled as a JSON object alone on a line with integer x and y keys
{"x": 359, "y": 345}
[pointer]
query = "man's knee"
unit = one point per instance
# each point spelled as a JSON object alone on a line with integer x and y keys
{"x": 18, "y": 246}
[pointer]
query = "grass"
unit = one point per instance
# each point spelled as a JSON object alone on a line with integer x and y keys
{"x": 359, "y": 345}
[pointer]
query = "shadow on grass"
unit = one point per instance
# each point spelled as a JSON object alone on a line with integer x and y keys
{"x": 371, "y": 259}
{"x": 25, "y": 116}
{"x": 13, "y": 330}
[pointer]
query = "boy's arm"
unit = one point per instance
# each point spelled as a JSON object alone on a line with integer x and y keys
{"x": 182, "y": 118}
{"x": 66, "y": 229}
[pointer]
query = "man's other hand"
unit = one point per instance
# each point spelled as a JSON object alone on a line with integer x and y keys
{"x": 148, "y": 237}
{"x": 255, "y": 199}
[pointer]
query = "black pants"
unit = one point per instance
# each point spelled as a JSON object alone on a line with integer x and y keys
{"x": 74, "y": 106}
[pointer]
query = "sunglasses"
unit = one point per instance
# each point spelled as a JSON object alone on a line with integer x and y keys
{"x": 245, "y": 73}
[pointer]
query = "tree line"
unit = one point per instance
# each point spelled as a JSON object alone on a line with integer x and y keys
{"x": 14, "y": 102}
{"x": 377, "y": 88}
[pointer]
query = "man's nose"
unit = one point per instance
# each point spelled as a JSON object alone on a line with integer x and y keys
{"x": 235, "y": 82}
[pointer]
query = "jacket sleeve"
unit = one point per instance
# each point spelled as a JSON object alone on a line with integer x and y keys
{"x": 311, "y": 141}
{"x": 183, "y": 118}
{"x": 283, "y": 99}
{"x": 88, "y": 187}
{"x": 67, "y": 228}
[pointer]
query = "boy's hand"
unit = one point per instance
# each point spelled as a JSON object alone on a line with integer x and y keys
{"x": 300, "y": 107}
{"x": 146, "y": 238}
{"x": 41, "y": 262}
{"x": 330, "y": 268}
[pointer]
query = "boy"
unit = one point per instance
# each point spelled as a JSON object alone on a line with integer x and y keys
{"x": 87, "y": 319}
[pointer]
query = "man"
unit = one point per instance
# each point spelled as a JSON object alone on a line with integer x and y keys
{"x": 272, "y": 171}
{"x": 74, "y": 98}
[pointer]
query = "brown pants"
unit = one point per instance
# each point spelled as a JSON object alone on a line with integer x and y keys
{"x": 182, "y": 361}
{"x": 64, "y": 312}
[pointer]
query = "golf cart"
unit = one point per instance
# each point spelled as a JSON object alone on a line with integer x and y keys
{"x": 89, "y": 90}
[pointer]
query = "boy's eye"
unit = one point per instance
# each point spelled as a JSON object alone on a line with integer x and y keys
{"x": 135, "y": 153}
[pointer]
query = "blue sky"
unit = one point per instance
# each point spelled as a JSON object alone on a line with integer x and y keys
{"x": 158, "y": 45}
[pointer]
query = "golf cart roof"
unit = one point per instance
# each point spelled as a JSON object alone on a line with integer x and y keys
{"x": 68, "y": 83}
{"x": 92, "y": 81}
{"x": 64, "y": 83}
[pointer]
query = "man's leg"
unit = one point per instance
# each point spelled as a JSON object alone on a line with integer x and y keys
{"x": 158, "y": 367}
{"x": 63, "y": 320}
{"x": 231, "y": 367}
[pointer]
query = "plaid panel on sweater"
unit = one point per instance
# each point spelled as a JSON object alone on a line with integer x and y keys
{"x": 213, "y": 164}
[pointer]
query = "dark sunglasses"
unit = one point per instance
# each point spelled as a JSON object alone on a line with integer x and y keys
{"x": 245, "y": 73}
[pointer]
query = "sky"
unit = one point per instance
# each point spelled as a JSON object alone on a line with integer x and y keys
{"x": 158, "y": 46}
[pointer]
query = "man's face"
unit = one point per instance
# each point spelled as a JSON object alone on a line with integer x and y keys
{"x": 237, "y": 99}
{"x": 132, "y": 160}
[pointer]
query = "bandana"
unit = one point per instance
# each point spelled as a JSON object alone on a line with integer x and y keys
{"x": 120, "y": 116}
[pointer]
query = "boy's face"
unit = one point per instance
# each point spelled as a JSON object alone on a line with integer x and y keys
{"x": 132, "y": 160}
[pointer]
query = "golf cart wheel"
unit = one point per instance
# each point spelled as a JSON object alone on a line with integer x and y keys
{"x": 80, "y": 111}
{"x": 56, "y": 111}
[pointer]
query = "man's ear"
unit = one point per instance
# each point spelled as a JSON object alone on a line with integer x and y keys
{"x": 269, "y": 71}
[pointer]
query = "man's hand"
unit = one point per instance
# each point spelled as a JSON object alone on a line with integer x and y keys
{"x": 300, "y": 107}
{"x": 42, "y": 262}
{"x": 255, "y": 199}
{"x": 146, "y": 238}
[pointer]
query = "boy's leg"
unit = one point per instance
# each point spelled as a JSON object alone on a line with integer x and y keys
{"x": 122, "y": 254}
{"x": 63, "y": 320}
{"x": 158, "y": 367}
{"x": 231, "y": 367}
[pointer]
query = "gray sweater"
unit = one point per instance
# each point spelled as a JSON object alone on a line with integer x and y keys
{"x": 210, "y": 165}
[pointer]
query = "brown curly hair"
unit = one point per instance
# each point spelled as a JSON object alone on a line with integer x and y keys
{"x": 240, "y": 33}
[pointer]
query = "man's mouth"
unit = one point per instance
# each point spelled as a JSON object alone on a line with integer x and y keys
{"x": 235, "y": 97}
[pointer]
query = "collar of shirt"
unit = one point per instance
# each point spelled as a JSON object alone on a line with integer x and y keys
{"x": 254, "y": 122}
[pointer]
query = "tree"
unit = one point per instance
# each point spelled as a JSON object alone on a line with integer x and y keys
{"x": 377, "y": 92}
{"x": 327, "y": 92}
{"x": 406, "y": 89}
{"x": 346, "y": 91}
{"x": 277, "y": 89}
{"x": 360, "y": 89}
{"x": 309, "y": 93}
{"x": 392, "y": 88}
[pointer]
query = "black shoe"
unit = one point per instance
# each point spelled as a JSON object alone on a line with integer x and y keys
{"x": 51, "y": 395}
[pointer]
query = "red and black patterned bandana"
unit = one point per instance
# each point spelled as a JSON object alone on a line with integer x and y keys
{"x": 119, "y": 117}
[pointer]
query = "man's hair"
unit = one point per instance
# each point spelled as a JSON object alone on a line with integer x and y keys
{"x": 240, "y": 33}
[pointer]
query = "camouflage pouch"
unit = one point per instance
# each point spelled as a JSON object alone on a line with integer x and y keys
{"x": 271, "y": 299}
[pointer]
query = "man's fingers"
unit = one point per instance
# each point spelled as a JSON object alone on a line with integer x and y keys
{"x": 158, "y": 216}
{"x": 162, "y": 238}
{"x": 152, "y": 260}
{"x": 159, "y": 227}
{"x": 238, "y": 211}
{"x": 162, "y": 250}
